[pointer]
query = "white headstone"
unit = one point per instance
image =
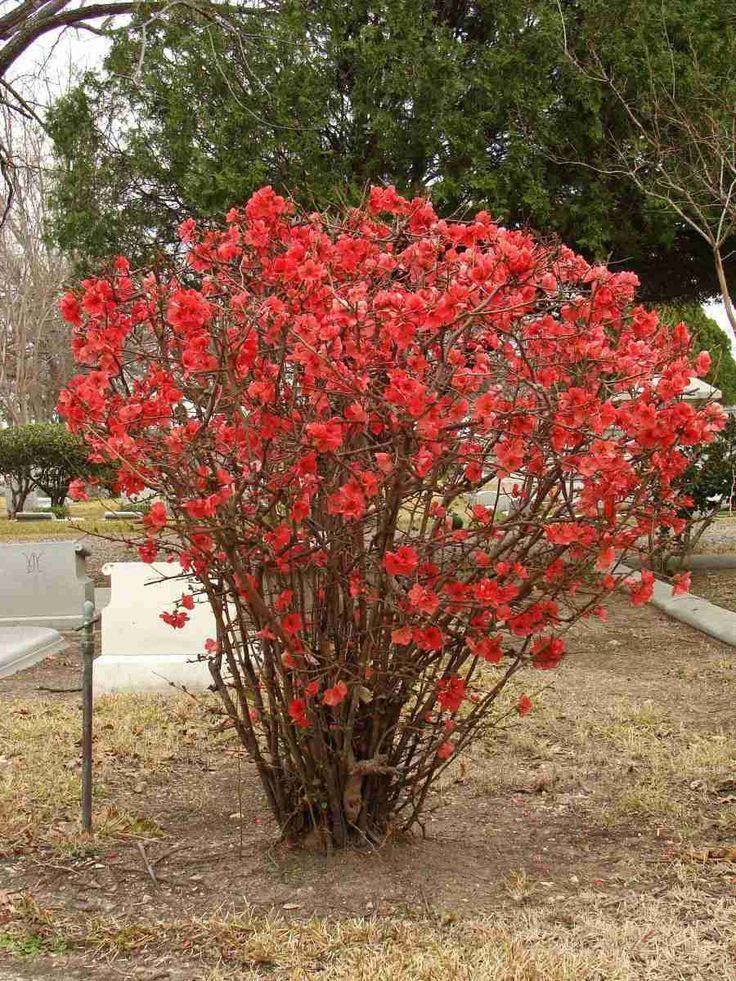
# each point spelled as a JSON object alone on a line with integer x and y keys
{"x": 496, "y": 494}
{"x": 31, "y": 501}
{"x": 140, "y": 652}
{"x": 43, "y": 584}
{"x": 21, "y": 647}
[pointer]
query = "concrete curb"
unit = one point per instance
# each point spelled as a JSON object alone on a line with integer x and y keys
{"x": 714, "y": 560}
{"x": 703, "y": 560}
{"x": 696, "y": 612}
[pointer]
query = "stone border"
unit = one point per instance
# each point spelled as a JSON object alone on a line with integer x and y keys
{"x": 710, "y": 560}
{"x": 715, "y": 621}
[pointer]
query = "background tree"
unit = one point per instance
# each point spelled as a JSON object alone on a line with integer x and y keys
{"x": 35, "y": 355}
{"x": 476, "y": 100}
{"x": 678, "y": 144}
{"x": 23, "y": 23}
{"x": 707, "y": 336}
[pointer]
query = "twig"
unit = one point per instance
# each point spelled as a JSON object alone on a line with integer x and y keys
{"x": 166, "y": 854}
{"x": 147, "y": 864}
{"x": 55, "y": 691}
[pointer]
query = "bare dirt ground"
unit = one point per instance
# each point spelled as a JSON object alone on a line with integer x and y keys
{"x": 595, "y": 838}
{"x": 718, "y": 586}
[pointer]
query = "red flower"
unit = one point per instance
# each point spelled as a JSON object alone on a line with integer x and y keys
{"x": 547, "y": 652}
{"x": 423, "y": 463}
{"x": 702, "y": 364}
{"x": 187, "y": 601}
{"x": 325, "y": 436}
{"x": 148, "y": 551}
{"x": 489, "y": 648}
{"x": 445, "y": 750}
{"x": 356, "y": 413}
{"x": 402, "y": 562}
{"x": 429, "y": 639}
{"x": 292, "y": 623}
{"x": 176, "y": 620}
{"x": 401, "y": 636}
{"x": 98, "y": 299}
{"x": 336, "y": 694}
{"x": 186, "y": 229}
{"x": 348, "y": 501}
{"x": 451, "y": 693}
{"x": 681, "y": 583}
{"x": 298, "y": 713}
{"x": 156, "y": 518}
{"x": 641, "y": 591}
{"x": 423, "y": 599}
{"x": 524, "y": 705}
{"x": 78, "y": 490}
{"x": 70, "y": 309}
{"x": 188, "y": 310}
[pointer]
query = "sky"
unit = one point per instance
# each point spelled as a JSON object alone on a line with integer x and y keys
{"x": 715, "y": 309}
{"x": 45, "y": 71}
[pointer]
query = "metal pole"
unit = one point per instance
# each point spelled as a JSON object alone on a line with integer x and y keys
{"x": 87, "y": 647}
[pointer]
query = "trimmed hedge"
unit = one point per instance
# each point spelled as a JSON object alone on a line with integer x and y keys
{"x": 43, "y": 455}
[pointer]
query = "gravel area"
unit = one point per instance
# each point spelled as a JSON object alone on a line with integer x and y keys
{"x": 720, "y": 537}
{"x": 104, "y": 551}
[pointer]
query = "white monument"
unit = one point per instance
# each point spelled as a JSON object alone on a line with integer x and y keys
{"x": 139, "y": 651}
{"x": 22, "y": 647}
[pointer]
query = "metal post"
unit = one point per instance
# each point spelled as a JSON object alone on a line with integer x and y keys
{"x": 87, "y": 647}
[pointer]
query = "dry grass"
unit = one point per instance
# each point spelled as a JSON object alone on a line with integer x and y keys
{"x": 647, "y": 939}
{"x": 135, "y": 737}
{"x": 632, "y": 766}
{"x": 623, "y": 760}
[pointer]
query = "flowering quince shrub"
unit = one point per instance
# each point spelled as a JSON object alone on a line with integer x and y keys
{"x": 308, "y": 396}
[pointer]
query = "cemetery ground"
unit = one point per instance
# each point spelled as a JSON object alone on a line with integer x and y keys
{"x": 596, "y": 838}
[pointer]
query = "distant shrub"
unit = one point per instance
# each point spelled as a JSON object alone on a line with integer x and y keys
{"x": 43, "y": 455}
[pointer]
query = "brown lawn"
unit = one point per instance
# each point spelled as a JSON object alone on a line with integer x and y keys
{"x": 594, "y": 839}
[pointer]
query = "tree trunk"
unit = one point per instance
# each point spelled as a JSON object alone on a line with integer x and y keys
{"x": 725, "y": 293}
{"x": 16, "y": 492}
{"x": 57, "y": 494}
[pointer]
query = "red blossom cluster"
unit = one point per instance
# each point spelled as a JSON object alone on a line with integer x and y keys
{"x": 313, "y": 400}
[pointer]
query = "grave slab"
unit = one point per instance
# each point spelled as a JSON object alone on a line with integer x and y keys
{"x": 43, "y": 584}
{"x": 22, "y": 647}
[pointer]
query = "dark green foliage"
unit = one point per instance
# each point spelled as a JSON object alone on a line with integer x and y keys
{"x": 711, "y": 479}
{"x": 475, "y": 101}
{"x": 708, "y": 336}
{"x": 710, "y": 483}
{"x": 41, "y": 454}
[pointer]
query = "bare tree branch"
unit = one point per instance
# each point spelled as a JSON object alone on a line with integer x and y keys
{"x": 680, "y": 150}
{"x": 35, "y": 356}
{"x": 30, "y": 20}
